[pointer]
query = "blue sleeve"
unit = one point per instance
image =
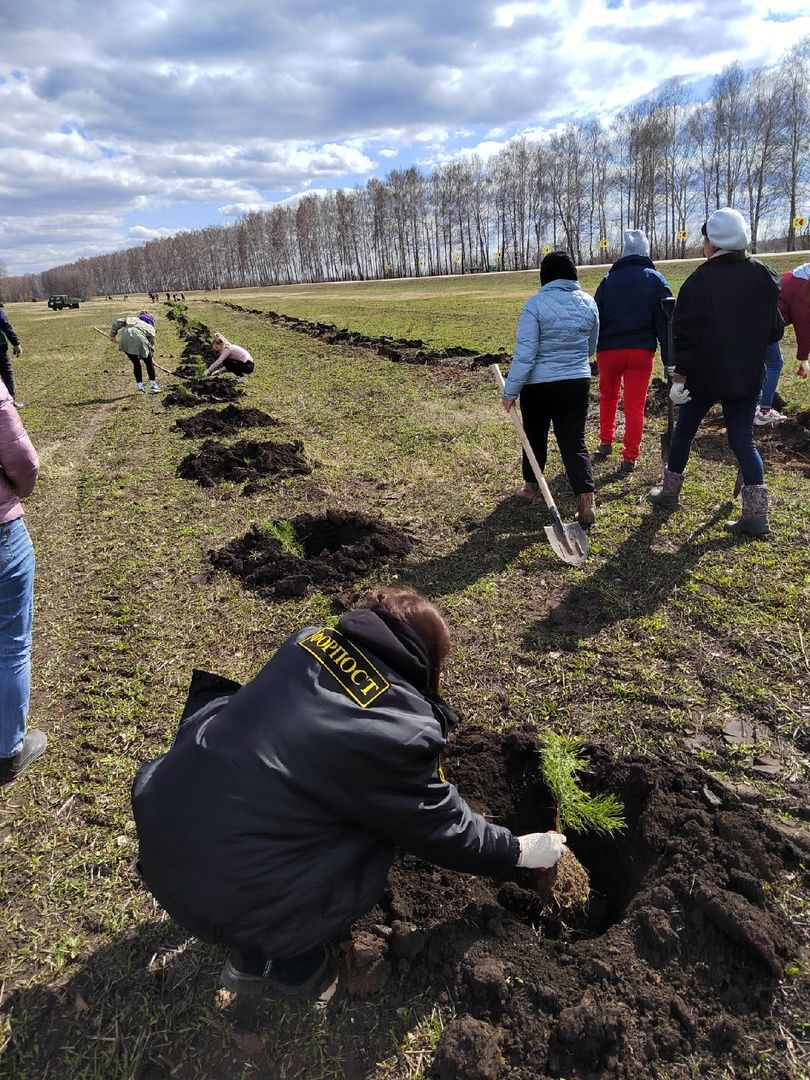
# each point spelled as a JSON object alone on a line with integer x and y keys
{"x": 526, "y": 349}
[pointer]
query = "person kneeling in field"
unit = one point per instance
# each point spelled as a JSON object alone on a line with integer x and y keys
{"x": 271, "y": 823}
{"x": 231, "y": 358}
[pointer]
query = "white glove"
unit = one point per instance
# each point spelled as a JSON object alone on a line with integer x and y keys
{"x": 804, "y": 369}
{"x": 540, "y": 850}
{"x": 17, "y": 350}
{"x": 679, "y": 394}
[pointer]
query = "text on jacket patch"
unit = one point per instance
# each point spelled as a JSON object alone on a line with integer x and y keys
{"x": 353, "y": 671}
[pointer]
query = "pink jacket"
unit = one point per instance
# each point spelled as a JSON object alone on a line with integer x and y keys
{"x": 236, "y": 351}
{"x": 795, "y": 306}
{"x": 19, "y": 463}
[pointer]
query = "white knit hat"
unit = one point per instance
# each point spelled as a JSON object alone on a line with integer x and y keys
{"x": 727, "y": 229}
{"x": 635, "y": 243}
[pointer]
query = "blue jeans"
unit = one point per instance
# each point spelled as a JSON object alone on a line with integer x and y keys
{"x": 738, "y": 414}
{"x": 773, "y": 369}
{"x": 16, "y": 619}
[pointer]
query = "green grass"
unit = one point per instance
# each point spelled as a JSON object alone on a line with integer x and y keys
{"x": 670, "y": 628}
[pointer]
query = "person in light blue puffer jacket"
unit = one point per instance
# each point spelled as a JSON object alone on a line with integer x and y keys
{"x": 551, "y": 373}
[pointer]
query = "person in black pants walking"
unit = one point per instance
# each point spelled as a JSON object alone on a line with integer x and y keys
{"x": 7, "y": 335}
{"x": 551, "y": 373}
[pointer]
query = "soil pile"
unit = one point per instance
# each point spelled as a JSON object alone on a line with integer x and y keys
{"x": 198, "y": 391}
{"x": 198, "y": 344}
{"x": 243, "y": 461}
{"x": 677, "y": 961}
{"x": 330, "y": 550}
{"x": 225, "y": 421}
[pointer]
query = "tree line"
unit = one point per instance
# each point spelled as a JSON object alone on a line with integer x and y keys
{"x": 662, "y": 165}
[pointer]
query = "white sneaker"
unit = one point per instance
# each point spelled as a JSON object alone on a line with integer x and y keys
{"x": 141, "y": 388}
{"x": 763, "y": 417}
{"x": 153, "y": 386}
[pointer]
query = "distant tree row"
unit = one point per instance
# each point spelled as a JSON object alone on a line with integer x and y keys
{"x": 663, "y": 165}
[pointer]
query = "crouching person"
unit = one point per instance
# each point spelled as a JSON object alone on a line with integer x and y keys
{"x": 232, "y": 358}
{"x": 271, "y": 823}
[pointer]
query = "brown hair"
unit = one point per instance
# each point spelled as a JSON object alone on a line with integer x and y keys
{"x": 423, "y": 617}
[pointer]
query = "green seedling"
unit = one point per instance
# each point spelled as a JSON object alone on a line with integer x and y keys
{"x": 284, "y": 532}
{"x": 562, "y": 760}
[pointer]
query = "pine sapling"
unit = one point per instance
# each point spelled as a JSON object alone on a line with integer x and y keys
{"x": 562, "y": 760}
{"x": 284, "y": 532}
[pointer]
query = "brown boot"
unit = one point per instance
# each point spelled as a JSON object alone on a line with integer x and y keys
{"x": 526, "y": 492}
{"x": 586, "y": 509}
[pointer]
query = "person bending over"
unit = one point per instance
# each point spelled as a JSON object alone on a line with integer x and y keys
{"x": 231, "y": 358}
{"x": 138, "y": 342}
{"x": 271, "y": 823}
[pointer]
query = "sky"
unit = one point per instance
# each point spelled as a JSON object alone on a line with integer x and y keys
{"x": 122, "y": 122}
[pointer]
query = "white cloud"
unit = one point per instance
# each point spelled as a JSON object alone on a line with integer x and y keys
{"x": 141, "y": 232}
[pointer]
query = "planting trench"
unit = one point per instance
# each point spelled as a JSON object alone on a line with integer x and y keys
{"x": 676, "y": 961}
{"x": 326, "y": 551}
{"x": 199, "y": 391}
{"x": 243, "y": 462}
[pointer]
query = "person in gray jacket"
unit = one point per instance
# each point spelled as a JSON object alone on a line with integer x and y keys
{"x": 138, "y": 342}
{"x": 271, "y": 823}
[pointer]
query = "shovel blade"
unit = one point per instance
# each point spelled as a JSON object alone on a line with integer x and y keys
{"x": 568, "y": 542}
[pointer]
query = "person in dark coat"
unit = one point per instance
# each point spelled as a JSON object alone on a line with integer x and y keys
{"x": 632, "y": 323}
{"x": 7, "y": 336}
{"x": 271, "y": 823}
{"x": 725, "y": 318}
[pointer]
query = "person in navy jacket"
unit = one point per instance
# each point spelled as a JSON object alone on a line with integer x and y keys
{"x": 632, "y": 323}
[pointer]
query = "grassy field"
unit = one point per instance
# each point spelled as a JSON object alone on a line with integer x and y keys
{"x": 670, "y": 630}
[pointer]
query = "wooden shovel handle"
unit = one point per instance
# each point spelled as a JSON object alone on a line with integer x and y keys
{"x": 538, "y": 472}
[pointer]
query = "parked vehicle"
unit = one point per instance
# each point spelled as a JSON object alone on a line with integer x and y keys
{"x": 59, "y": 302}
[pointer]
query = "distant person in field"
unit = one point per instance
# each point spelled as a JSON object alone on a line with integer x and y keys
{"x": 19, "y": 466}
{"x": 137, "y": 340}
{"x": 794, "y": 304}
{"x": 726, "y": 317}
{"x": 271, "y": 823}
{"x": 7, "y": 336}
{"x": 551, "y": 373}
{"x": 232, "y": 358}
{"x": 631, "y": 324}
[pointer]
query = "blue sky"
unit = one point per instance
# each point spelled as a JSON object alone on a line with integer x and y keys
{"x": 119, "y": 122}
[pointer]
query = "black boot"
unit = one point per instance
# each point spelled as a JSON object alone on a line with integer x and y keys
{"x": 33, "y": 745}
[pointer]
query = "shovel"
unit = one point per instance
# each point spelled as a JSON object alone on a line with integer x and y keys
{"x": 568, "y": 542}
{"x": 668, "y": 304}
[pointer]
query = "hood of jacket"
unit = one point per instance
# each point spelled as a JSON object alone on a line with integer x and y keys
{"x": 633, "y": 260}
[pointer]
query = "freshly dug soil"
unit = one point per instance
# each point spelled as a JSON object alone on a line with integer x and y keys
{"x": 242, "y": 461}
{"x": 400, "y": 350}
{"x": 786, "y": 443}
{"x": 674, "y": 971}
{"x": 225, "y": 421}
{"x": 338, "y": 547}
{"x": 198, "y": 344}
{"x": 198, "y": 391}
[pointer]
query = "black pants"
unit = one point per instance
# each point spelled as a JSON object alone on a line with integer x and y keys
{"x": 563, "y": 405}
{"x": 136, "y": 363}
{"x": 6, "y": 371}
{"x": 238, "y": 367}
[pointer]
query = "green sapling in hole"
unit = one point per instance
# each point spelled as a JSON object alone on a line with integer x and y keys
{"x": 562, "y": 760}
{"x": 284, "y": 532}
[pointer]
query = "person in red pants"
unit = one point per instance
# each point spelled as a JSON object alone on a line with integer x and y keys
{"x": 632, "y": 323}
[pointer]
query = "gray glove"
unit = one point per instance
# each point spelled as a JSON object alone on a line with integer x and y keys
{"x": 540, "y": 850}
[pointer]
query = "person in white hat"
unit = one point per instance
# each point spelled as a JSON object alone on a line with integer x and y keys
{"x": 725, "y": 319}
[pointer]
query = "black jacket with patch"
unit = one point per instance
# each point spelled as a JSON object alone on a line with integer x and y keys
{"x": 725, "y": 318}
{"x": 273, "y": 819}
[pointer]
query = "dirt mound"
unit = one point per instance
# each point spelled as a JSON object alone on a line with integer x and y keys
{"x": 678, "y": 961}
{"x": 657, "y": 398}
{"x": 325, "y": 550}
{"x": 786, "y": 443}
{"x": 198, "y": 391}
{"x": 243, "y": 461}
{"x": 198, "y": 344}
{"x": 225, "y": 421}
